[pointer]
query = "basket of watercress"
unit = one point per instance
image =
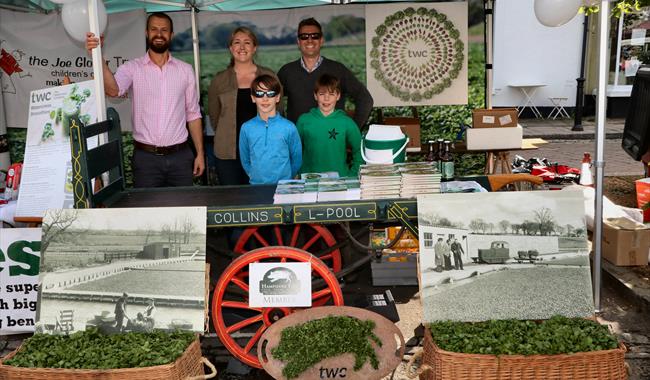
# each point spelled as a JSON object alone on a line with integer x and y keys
{"x": 558, "y": 348}
{"x": 89, "y": 354}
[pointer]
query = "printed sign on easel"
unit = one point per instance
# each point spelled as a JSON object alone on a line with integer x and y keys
{"x": 19, "y": 267}
{"x": 47, "y": 171}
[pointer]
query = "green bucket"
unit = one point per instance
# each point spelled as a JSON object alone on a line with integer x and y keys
{"x": 384, "y": 151}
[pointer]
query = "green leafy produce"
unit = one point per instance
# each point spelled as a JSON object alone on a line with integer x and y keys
{"x": 85, "y": 118}
{"x": 93, "y": 350}
{"x": 558, "y": 335}
{"x": 304, "y": 345}
{"x": 47, "y": 131}
{"x": 78, "y": 98}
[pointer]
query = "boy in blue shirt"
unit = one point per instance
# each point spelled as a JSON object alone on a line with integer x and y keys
{"x": 269, "y": 145}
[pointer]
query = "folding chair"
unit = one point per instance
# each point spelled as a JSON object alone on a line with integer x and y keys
{"x": 558, "y": 108}
{"x": 64, "y": 322}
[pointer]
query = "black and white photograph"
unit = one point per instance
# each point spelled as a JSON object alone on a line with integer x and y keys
{"x": 510, "y": 255}
{"x": 120, "y": 270}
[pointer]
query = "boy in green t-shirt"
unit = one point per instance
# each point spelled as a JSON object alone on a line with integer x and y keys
{"x": 327, "y": 132}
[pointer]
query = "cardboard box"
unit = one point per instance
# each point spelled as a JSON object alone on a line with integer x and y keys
{"x": 493, "y": 118}
{"x": 411, "y": 127}
{"x": 625, "y": 247}
{"x": 494, "y": 138}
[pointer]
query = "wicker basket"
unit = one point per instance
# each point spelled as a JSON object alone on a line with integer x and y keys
{"x": 190, "y": 364}
{"x": 595, "y": 365}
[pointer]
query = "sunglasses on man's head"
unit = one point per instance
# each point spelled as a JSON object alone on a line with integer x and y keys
{"x": 306, "y": 36}
{"x": 260, "y": 93}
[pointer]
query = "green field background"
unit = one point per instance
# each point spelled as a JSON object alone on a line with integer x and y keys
{"x": 274, "y": 58}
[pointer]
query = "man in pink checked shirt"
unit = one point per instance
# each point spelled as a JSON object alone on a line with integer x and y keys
{"x": 163, "y": 92}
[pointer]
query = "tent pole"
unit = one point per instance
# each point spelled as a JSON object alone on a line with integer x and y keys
{"x": 600, "y": 135}
{"x": 98, "y": 72}
{"x": 161, "y": 2}
{"x": 488, "y": 7}
{"x": 195, "y": 47}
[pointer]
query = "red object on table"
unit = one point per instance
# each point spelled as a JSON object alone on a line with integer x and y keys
{"x": 550, "y": 173}
{"x": 643, "y": 196}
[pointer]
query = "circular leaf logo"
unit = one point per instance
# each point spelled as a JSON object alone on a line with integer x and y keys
{"x": 416, "y": 54}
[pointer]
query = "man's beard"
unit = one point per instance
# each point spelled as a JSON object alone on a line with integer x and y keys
{"x": 158, "y": 48}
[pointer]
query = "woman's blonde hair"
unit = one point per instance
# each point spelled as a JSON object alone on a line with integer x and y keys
{"x": 247, "y": 31}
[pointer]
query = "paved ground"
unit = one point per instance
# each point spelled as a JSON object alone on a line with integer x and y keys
{"x": 567, "y": 147}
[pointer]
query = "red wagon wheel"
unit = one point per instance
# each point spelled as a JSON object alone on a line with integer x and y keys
{"x": 308, "y": 237}
{"x": 239, "y": 326}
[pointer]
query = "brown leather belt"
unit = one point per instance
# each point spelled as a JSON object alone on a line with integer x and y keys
{"x": 159, "y": 150}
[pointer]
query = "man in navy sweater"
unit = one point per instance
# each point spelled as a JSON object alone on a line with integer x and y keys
{"x": 298, "y": 77}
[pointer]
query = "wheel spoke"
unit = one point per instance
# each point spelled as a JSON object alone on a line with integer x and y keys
{"x": 326, "y": 257}
{"x": 240, "y": 283}
{"x": 294, "y": 236}
{"x": 321, "y": 293}
{"x": 254, "y": 339}
{"x": 241, "y": 324}
{"x": 278, "y": 235}
{"x": 239, "y": 305}
{"x": 310, "y": 242}
{"x": 261, "y": 239}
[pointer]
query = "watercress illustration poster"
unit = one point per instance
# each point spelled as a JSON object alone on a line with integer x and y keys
{"x": 47, "y": 170}
{"x": 417, "y": 53}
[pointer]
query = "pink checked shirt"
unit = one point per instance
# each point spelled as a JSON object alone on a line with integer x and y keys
{"x": 163, "y": 100}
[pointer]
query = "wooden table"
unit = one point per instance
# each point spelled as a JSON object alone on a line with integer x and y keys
{"x": 499, "y": 158}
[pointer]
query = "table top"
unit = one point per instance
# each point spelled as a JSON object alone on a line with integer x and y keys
{"x": 248, "y": 205}
{"x": 527, "y": 84}
{"x": 526, "y": 144}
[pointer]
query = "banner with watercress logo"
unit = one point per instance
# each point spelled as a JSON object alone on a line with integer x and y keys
{"x": 417, "y": 53}
{"x": 19, "y": 267}
{"x": 47, "y": 170}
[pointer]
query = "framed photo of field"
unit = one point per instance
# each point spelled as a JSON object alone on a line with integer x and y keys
{"x": 135, "y": 269}
{"x": 511, "y": 255}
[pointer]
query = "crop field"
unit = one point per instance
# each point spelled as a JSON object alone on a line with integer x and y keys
{"x": 526, "y": 293}
{"x": 274, "y": 58}
{"x": 76, "y": 240}
{"x": 182, "y": 279}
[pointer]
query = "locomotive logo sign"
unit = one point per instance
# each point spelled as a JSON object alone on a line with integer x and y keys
{"x": 279, "y": 281}
{"x": 279, "y": 284}
{"x": 416, "y": 54}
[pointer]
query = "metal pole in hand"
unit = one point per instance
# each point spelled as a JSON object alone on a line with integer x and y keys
{"x": 100, "y": 97}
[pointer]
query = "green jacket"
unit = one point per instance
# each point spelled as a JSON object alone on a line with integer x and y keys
{"x": 325, "y": 140}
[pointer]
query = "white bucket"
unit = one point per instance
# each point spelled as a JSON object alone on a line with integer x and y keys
{"x": 384, "y": 144}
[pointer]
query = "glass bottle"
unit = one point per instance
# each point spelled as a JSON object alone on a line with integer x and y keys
{"x": 441, "y": 149}
{"x": 431, "y": 155}
{"x": 447, "y": 162}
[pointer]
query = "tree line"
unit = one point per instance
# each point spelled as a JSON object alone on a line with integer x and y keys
{"x": 216, "y": 36}
{"x": 541, "y": 223}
